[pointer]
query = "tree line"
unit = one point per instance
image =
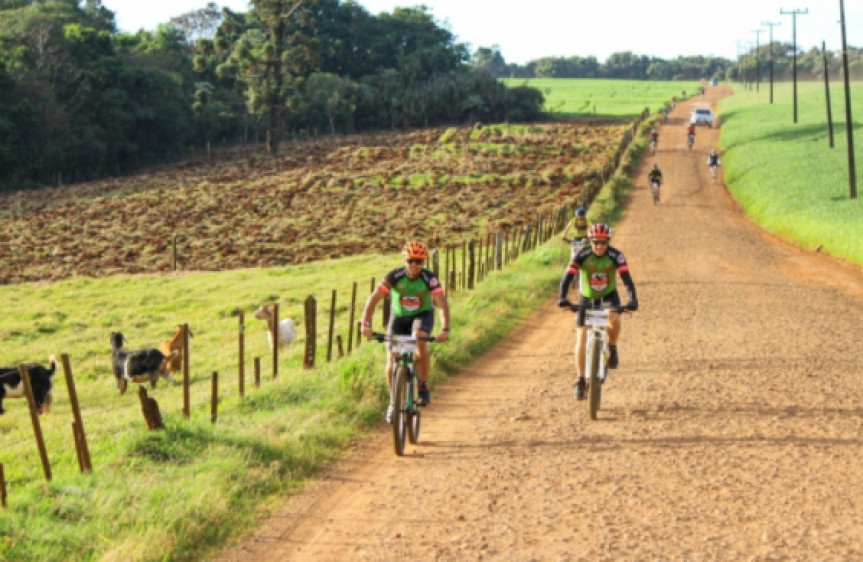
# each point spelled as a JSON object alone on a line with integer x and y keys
{"x": 80, "y": 100}
{"x": 750, "y": 66}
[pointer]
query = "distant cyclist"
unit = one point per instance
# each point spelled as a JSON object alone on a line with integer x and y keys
{"x": 415, "y": 292}
{"x": 654, "y": 176}
{"x": 690, "y": 134}
{"x": 713, "y": 158}
{"x": 597, "y": 266}
{"x": 578, "y": 226}
{"x": 714, "y": 162}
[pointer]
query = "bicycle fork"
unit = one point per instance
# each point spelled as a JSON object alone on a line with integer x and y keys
{"x": 592, "y": 336}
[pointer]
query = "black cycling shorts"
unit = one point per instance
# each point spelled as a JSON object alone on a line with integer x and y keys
{"x": 407, "y": 325}
{"x": 613, "y": 298}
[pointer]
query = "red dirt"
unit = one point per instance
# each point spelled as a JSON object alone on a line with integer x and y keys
{"x": 731, "y": 430}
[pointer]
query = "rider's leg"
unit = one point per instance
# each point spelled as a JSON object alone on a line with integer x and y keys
{"x": 389, "y": 370}
{"x": 613, "y": 328}
{"x": 423, "y": 361}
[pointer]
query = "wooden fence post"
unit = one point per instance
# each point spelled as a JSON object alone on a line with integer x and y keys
{"x": 471, "y": 272}
{"x": 275, "y": 340}
{"x": 78, "y": 426}
{"x": 332, "y": 327}
{"x": 214, "y": 397}
{"x": 34, "y": 417}
{"x": 353, "y": 315}
{"x": 257, "y": 372}
{"x": 187, "y": 408}
{"x": 2, "y": 486}
{"x": 311, "y": 309}
{"x": 241, "y": 340}
{"x": 150, "y": 409}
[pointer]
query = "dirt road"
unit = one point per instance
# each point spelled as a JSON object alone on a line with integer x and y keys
{"x": 731, "y": 430}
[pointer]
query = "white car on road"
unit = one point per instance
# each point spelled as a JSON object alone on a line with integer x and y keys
{"x": 701, "y": 115}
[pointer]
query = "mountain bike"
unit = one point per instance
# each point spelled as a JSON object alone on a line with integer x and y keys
{"x": 576, "y": 245}
{"x": 690, "y": 140}
{"x": 404, "y": 386}
{"x": 714, "y": 172}
{"x": 654, "y": 191}
{"x": 653, "y": 143}
{"x": 597, "y": 319}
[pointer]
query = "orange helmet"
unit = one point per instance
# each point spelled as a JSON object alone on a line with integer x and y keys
{"x": 415, "y": 250}
{"x": 599, "y": 230}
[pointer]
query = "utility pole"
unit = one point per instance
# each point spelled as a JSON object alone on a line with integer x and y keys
{"x": 793, "y": 14}
{"x": 741, "y": 70}
{"x": 770, "y": 24}
{"x": 849, "y": 124}
{"x": 757, "y": 33}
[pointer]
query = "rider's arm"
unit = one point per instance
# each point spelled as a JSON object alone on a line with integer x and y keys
{"x": 443, "y": 307}
{"x": 567, "y": 228}
{"x": 630, "y": 286}
{"x": 571, "y": 271}
{"x": 372, "y": 302}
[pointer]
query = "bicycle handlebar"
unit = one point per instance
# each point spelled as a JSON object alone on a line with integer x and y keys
{"x": 382, "y": 337}
{"x": 576, "y": 307}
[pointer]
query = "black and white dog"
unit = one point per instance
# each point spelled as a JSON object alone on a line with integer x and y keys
{"x": 12, "y": 386}
{"x": 137, "y": 366}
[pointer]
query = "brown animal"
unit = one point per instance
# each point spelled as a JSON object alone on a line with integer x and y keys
{"x": 167, "y": 347}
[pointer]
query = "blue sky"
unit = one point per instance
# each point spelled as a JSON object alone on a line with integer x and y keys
{"x": 531, "y": 30}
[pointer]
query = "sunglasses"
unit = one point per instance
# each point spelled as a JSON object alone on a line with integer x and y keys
{"x": 599, "y": 242}
{"x": 415, "y": 261}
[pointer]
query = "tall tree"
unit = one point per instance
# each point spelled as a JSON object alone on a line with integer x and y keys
{"x": 269, "y": 57}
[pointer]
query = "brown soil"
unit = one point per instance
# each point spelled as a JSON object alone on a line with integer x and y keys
{"x": 731, "y": 430}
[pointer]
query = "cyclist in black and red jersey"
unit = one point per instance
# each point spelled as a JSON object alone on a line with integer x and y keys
{"x": 415, "y": 293}
{"x": 597, "y": 266}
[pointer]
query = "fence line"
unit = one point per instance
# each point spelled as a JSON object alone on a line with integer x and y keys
{"x": 477, "y": 261}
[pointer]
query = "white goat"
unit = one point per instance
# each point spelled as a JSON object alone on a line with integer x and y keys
{"x": 287, "y": 329}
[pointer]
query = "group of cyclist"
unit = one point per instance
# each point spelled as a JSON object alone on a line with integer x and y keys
{"x": 415, "y": 291}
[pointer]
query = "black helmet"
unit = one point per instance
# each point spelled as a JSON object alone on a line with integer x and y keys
{"x": 580, "y": 213}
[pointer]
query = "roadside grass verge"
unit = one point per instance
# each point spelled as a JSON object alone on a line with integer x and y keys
{"x": 785, "y": 175}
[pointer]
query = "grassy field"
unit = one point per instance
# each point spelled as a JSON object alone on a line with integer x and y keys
{"x": 785, "y": 175}
{"x": 579, "y": 98}
{"x": 178, "y": 493}
{"x": 175, "y": 493}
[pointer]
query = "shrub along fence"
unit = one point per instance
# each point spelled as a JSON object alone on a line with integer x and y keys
{"x": 463, "y": 266}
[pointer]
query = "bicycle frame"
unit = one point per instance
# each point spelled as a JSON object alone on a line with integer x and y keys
{"x": 597, "y": 320}
{"x": 403, "y": 387}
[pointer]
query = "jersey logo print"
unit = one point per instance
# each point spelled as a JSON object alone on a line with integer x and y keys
{"x": 599, "y": 281}
{"x": 410, "y": 303}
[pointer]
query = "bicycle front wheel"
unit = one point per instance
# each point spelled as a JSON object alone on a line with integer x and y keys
{"x": 400, "y": 404}
{"x": 594, "y": 388}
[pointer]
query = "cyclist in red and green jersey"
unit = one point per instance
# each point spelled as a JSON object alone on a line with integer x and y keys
{"x": 598, "y": 267}
{"x": 415, "y": 292}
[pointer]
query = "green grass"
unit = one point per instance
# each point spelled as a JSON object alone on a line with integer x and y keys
{"x": 176, "y": 493}
{"x": 785, "y": 175}
{"x": 582, "y": 97}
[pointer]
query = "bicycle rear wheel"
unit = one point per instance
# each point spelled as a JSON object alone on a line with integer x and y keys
{"x": 400, "y": 393}
{"x": 594, "y": 388}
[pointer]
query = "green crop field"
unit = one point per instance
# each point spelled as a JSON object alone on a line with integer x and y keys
{"x": 786, "y": 175}
{"x": 574, "y": 97}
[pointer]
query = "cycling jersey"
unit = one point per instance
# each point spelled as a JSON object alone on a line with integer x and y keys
{"x": 598, "y": 274}
{"x": 580, "y": 231}
{"x": 713, "y": 160}
{"x": 411, "y": 297}
{"x": 654, "y": 175}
